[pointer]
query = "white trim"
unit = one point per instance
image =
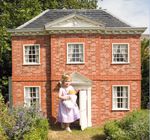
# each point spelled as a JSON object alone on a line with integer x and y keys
{"x": 70, "y": 16}
{"x": 119, "y": 109}
{"x": 83, "y": 109}
{"x": 89, "y": 107}
{"x": 128, "y": 54}
{"x": 35, "y": 64}
{"x": 28, "y": 22}
{"x": 107, "y": 30}
{"x": 88, "y": 98}
{"x": 39, "y": 95}
{"x": 24, "y": 63}
{"x": 83, "y": 53}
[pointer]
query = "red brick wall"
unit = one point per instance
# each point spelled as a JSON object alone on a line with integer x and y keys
{"x": 18, "y": 94}
{"x": 31, "y": 75}
{"x": 19, "y": 70}
{"x": 97, "y": 67}
{"x": 102, "y": 100}
{"x": 98, "y": 54}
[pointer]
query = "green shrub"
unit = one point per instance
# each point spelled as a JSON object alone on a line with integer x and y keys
{"x": 39, "y": 131}
{"x": 22, "y": 123}
{"x": 114, "y": 132}
{"x": 2, "y": 134}
{"x": 6, "y": 121}
{"x": 134, "y": 126}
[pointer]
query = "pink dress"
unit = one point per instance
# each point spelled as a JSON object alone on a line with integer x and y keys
{"x": 65, "y": 114}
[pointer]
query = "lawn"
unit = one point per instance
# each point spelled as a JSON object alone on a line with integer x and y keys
{"x": 95, "y": 133}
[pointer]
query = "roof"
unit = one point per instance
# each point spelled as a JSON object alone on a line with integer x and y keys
{"x": 62, "y": 21}
{"x": 100, "y": 16}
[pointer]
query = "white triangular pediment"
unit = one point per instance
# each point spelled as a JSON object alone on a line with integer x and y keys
{"x": 80, "y": 79}
{"x": 73, "y": 21}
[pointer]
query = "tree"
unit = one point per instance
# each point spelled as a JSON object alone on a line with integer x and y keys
{"x": 145, "y": 53}
{"x": 5, "y": 61}
{"x": 12, "y": 14}
{"x": 69, "y": 4}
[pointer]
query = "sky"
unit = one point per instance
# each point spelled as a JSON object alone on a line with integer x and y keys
{"x": 133, "y": 12}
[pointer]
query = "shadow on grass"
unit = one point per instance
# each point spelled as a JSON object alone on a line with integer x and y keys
{"x": 99, "y": 137}
{"x": 57, "y": 126}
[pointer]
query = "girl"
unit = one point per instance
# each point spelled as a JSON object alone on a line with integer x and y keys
{"x": 67, "y": 115}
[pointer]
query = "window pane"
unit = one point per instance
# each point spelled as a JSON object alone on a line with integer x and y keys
{"x": 32, "y": 96}
{"x": 115, "y": 92}
{"x": 125, "y": 103}
{"x": 28, "y": 102}
{"x": 120, "y": 97}
{"x": 75, "y": 53}
{"x": 115, "y": 103}
{"x": 31, "y": 54}
{"x": 120, "y": 53}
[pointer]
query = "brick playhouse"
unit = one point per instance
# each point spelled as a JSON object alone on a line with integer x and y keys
{"x": 101, "y": 52}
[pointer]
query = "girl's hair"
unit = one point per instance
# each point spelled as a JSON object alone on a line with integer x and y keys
{"x": 58, "y": 86}
{"x": 65, "y": 77}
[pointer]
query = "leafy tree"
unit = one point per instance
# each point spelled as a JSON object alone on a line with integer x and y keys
{"x": 69, "y": 4}
{"x": 145, "y": 52}
{"x": 49, "y": 4}
{"x": 5, "y": 61}
{"x": 12, "y": 14}
{"x": 18, "y": 12}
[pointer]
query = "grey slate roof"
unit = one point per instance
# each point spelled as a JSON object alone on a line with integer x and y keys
{"x": 95, "y": 15}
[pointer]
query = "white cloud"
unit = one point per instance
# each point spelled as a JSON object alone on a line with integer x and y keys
{"x": 134, "y": 12}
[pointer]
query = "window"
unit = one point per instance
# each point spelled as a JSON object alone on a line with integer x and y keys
{"x": 120, "y": 53}
{"x": 32, "y": 96}
{"x": 31, "y": 54}
{"x": 75, "y": 53}
{"x": 120, "y": 96}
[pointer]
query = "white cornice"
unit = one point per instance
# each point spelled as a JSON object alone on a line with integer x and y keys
{"x": 77, "y": 30}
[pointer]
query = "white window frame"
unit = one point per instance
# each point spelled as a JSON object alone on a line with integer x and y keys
{"x": 128, "y": 97}
{"x": 128, "y": 53}
{"x": 39, "y": 95}
{"x": 83, "y": 53}
{"x": 30, "y": 63}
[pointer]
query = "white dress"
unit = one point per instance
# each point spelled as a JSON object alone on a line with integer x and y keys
{"x": 68, "y": 115}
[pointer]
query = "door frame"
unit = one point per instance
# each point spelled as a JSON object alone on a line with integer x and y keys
{"x": 88, "y": 107}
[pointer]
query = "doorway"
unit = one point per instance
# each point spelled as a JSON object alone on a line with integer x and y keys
{"x": 83, "y": 84}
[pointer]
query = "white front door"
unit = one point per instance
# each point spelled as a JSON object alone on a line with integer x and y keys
{"x": 85, "y": 108}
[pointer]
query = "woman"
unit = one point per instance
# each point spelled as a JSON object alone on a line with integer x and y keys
{"x": 67, "y": 115}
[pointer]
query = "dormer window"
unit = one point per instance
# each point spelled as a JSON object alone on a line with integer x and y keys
{"x": 75, "y": 53}
{"x": 120, "y": 53}
{"x": 31, "y": 54}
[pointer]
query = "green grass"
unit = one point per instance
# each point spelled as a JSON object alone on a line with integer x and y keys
{"x": 94, "y": 133}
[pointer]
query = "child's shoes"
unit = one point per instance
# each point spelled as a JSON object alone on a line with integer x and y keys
{"x": 68, "y": 129}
